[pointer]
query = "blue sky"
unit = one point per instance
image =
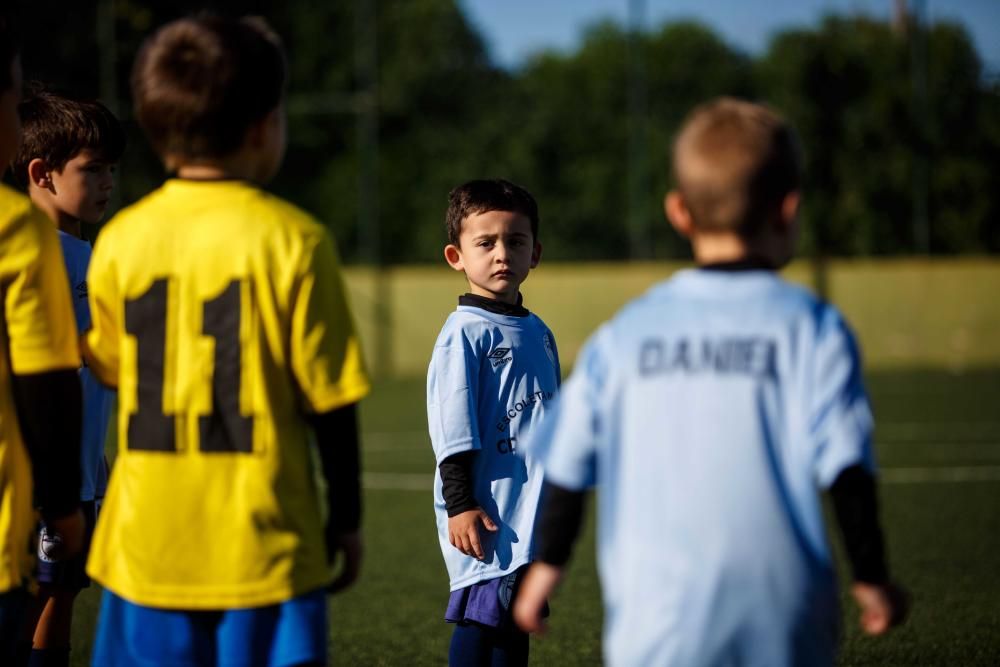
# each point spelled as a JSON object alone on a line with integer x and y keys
{"x": 514, "y": 29}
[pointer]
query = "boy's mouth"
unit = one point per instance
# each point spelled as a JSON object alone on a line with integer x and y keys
{"x": 504, "y": 274}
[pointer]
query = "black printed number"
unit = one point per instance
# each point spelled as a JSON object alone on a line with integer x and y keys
{"x": 225, "y": 429}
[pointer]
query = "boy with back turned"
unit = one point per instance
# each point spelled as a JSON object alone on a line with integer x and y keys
{"x": 711, "y": 412}
{"x": 220, "y": 315}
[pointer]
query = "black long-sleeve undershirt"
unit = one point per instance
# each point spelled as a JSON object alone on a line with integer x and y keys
{"x": 340, "y": 460}
{"x": 854, "y": 500}
{"x": 456, "y": 483}
{"x": 855, "y": 503}
{"x": 50, "y": 413}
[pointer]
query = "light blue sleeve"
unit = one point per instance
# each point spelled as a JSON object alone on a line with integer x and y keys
{"x": 841, "y": 420}
{"x": 452, "y": 417}
{"x": 567, "y": 441}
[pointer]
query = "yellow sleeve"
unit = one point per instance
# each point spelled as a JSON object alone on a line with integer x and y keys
{"x": 325, "y": 350}
{"x": 100, "y": 343}
{"x": 38, "y": 309}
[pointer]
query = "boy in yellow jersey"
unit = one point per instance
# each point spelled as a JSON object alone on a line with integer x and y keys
{"x": 219, "y": 313}
{"x": 39, "y": 390}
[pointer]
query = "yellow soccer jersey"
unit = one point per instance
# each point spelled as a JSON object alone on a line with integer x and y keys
{"x": 37, "y": 334}
{"x": 219, "y": 312}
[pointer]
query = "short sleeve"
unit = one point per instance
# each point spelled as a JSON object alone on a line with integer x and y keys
{"x": 41, "y": 327}
{"x": 452, "y": 418}
{"x": 326, "y": 355}
{"x": 101, "y": 342}
{"x": 550, "y": 340}
{"x": 568, "y": 440}
{"x": 841, "y": 421}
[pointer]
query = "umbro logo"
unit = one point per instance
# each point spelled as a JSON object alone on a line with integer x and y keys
{"x": 81, "y": 289}
{"x": 500, "y": 356}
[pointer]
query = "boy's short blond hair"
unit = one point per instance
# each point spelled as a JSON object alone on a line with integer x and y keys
{"x": 734, "y": 162}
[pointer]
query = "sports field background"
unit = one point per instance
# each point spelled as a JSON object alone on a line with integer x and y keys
{"x": 932, "y": 340}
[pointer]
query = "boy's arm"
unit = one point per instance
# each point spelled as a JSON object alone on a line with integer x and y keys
{"x": 339, "y": 452}
{"x": 855, "y": 503}
{"x": 556, "y": 529}
{"x": 464, "y": 513}
{"x": 50, "y": 412}
{"x": 841, "y": 429}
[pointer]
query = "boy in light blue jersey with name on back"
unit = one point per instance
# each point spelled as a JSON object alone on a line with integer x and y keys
{"x": 494, "y": 371}
{"x": 710, "y": 413}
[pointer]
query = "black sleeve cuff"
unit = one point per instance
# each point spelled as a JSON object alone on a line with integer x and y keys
{"x": 340, "y": 459}
{"x": 855, "y": 503}
{"x": 456, "y": 483}
{"x": 50, "y": 412}
{"x": 558, "y": 523}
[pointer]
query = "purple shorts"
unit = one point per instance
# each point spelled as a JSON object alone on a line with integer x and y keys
{"x": 487, "y": 603}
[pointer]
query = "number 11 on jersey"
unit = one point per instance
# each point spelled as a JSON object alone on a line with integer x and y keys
{"x": 224, "y": 429}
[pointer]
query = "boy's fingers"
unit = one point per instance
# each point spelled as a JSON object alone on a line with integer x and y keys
{"x": 528, "y": 617}
{"x": 477, "y": 549}
{"x": 351, "y": 549}
{"x": 488, "y": 522}
{"x": 465, "y": 547}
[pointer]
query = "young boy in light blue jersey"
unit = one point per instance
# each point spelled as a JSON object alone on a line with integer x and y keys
{"x": 710, "y": 413}
{"x": 66, "y": 163}
{"x": 493, "y": 372}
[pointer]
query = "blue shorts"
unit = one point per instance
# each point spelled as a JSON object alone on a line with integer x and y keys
{"x": 281, "y": 635}
{"x": 69, "y": 574}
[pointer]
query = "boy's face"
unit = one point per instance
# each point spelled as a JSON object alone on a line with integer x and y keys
{"x": 10, "y": 121}
{"x": 82, "y": 189}
{"x": 496, "y": 250}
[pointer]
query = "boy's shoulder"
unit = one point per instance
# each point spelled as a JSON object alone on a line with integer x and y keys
{"x": 178, "y": 198}
{"x": 472, "y": 323}
{"x": 15, "y": 208}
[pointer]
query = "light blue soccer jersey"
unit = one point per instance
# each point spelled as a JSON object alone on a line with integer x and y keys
{"x": 709, "y": 413}
{"x": 491, "y": 380}
{"x": 97, "y": 400}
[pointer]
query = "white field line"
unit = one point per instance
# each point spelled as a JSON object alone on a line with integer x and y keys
{"x": 392, "y": 481}
{"x": 943, "y": 474}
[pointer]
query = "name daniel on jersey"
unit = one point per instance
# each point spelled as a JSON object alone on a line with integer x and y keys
{"x": 752, "y": 356}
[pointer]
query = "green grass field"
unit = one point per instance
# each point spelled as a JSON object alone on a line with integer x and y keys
{"x": 939, "y": 448}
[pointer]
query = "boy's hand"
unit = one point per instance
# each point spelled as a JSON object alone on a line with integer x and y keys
{"x": 882, "y": 606}
{"x": 463, "y": 531}
{"x": 69, "y": 532}
{"x": 350, "y": 545}
{"x": 538, "y": 584}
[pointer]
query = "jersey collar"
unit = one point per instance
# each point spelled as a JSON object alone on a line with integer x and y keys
{"x": 494, "y": 306}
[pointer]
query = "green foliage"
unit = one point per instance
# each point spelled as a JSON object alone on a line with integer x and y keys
{"x": 589, "y": 131}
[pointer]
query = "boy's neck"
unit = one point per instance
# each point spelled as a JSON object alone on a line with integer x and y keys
{"x": 725, "y": 248}
{"x": 239, "y": 166}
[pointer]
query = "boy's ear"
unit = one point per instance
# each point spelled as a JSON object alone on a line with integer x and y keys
{"x": 678, "y": 214}
{"x": 536, "y": 254}
{"x": 257, "y": 133}
{"x": 39, "y": 174}
{"x": 453, "y": 256}
{"x": 790, "y": 208}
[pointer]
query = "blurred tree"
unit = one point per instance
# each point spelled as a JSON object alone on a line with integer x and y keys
{"x": 560, "y": 124}
{"x": 847, "y": 88}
